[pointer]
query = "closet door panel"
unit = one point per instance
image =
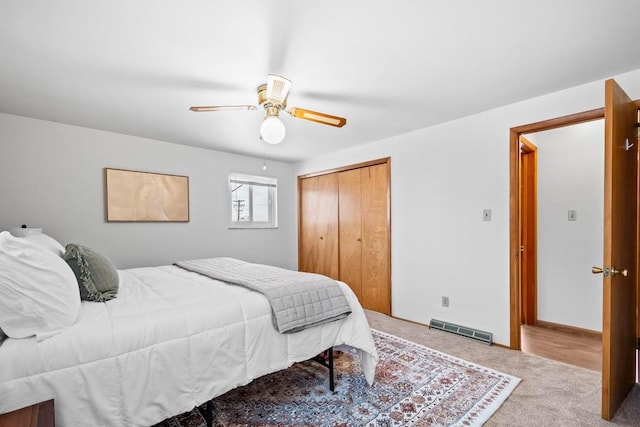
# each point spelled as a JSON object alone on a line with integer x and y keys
{"x": 328, "y": 261}
{"x": 308, "y": 233}
{"x": 350, "y": 214}
{"x": 318, "y": 240}
{"x": 376, "y": 287}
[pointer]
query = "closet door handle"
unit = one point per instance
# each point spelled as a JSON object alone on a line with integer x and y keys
{"x": 321, "y": 237}
{"x": 359, "y": 239}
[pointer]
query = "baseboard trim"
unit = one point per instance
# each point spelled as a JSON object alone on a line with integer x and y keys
{"x": 411, "y": 321}
{"x": 569, "y": 329}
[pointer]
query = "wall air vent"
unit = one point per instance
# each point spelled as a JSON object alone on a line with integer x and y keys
{"x": 482, "y": 336}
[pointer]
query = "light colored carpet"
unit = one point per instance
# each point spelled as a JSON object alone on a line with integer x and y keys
{"x": 550, "y": 394}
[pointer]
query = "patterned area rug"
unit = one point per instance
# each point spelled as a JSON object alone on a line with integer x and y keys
{"x": 414, "y": 386}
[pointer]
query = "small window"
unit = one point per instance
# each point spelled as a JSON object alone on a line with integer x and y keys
{"x": 253, "y": 201}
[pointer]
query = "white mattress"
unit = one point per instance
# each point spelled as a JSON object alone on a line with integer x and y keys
{"x": 171, "y": 340}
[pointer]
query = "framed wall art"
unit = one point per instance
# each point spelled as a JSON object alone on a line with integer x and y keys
{"x": 135, "y": 196}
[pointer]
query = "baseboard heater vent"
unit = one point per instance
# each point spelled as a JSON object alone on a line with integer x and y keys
{"x": 482, "y": 336}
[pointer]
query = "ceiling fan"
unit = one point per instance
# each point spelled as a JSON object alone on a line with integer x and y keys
{"x": 272, "y": 96}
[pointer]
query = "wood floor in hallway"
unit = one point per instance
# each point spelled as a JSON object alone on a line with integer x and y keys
{"x": 572, "y": 348}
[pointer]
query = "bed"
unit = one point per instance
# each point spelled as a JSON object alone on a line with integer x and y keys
{"x": 171, "y": 340}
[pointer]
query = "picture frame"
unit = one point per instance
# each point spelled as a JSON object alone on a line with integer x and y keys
{"x": 138, "y": 196}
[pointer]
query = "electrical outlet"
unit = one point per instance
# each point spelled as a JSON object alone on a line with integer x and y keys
{"x": 445, "y": 301}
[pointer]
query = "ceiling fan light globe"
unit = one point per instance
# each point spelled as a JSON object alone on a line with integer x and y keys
{"x": 272, "y": 130}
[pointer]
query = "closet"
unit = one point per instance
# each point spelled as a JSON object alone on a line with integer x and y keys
{"x": 344, "y": 229}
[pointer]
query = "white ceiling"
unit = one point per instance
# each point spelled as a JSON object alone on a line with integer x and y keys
{"x": 389, "y": 67}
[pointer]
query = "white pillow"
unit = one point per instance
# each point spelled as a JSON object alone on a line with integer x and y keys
{"x": 46, "y": 241}
{"x": 39, "y": 293}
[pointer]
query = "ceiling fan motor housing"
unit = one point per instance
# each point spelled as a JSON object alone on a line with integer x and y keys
{"x": 266, "y": 102}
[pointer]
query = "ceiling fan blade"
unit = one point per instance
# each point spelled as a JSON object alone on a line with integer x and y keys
{"x": 223, "y": 108}
{"x": 277, "y": 88}
{"x": 314, "y": 116}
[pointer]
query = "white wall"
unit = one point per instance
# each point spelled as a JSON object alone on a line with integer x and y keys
{"x": 51, "y": 176}
{"x": 442, "y": 178}
{"x": 570, "y": 176}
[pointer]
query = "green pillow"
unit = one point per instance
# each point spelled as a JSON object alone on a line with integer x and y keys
{"x": 97, "y": 277}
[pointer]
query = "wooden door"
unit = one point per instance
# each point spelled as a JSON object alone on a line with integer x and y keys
{"x": 620, "y": 249}
{"x": 318, "y": 239}
{"x": 376, "y": 286}
{"x": 350, "y": 214}
{"x": 529, "y": 231}
{"x": 308, "y": 220}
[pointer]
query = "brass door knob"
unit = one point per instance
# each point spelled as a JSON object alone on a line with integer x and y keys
{"x": 609, "y": 271}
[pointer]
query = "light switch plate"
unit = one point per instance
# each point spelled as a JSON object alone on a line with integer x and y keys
{"x": 486, "y": 215}
{"x": 572, "y": 215}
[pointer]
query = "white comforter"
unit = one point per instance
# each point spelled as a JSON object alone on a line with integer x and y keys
{"x": 171, "y": 340}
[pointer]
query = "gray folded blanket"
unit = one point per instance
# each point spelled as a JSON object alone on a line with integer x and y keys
{"x": 298, "y": 300}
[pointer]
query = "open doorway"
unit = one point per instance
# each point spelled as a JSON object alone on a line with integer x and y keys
{"x": 620, "y": 321}
{"x": 561, "y": 205}
{"x": 515, "y": 223}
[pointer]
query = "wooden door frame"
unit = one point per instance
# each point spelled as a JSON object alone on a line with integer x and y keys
{"x": 529, "y": 238}
{"x": 515, "y": 133}
{"x": 515, "y": 218}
